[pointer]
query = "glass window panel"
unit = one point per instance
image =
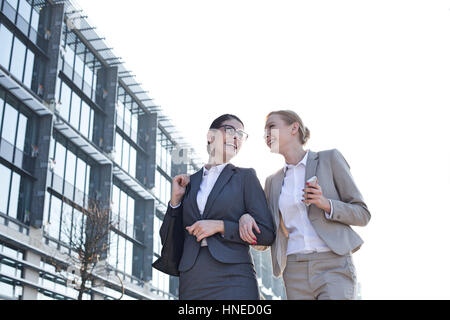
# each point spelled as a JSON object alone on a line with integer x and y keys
{"x": 2, "y": 103}
{"x": 52, "y": 148}
{"x": 70, "y": 168}
{"x": 126, "y": 155}
{"x": 120, "y": 111}
{"x": 58, "y": 89}
{"x": 129, "y": 257}
{"x": 77, "y": 232}
{"x": 55, "y": 217}
{"x": 88, "y": 75}
{"x": 25, "y": 10}
{"x": 118, "y": 157}
{"x": 127, "y": 118}
{"x": 123, "y": 206}
{"x": 69, "y": 56}
{"x": 84, "y": 123}
{"x": 6, "y": 38}
{"x": 121, "y": 254}
{"x": 112, "y": 258}
{"x": 35, "y": 19}
{"x": 60, "y": 159}
{"x": 14, "y": 195}
{"x": 21, "y": 132}
{"x": 66, "y": 224}
{"x": 168, "y": 162}
{"x": 158, "y": 153}
{"x": 91, "y": 124}
{"x": 18, "y": 59}
{"x": 134, "y": 126}
{"x": 75, "y": 110}
{"x": 13, "y": 3}
{"x": 81, "y": 175}
{"x": 46, "y": 208}
{"x": 132, "y": 162}
{"x": 6, "y": 289}
{"x": 88, "y": 179}
{"x": 164, "y": 159}
{"x": 28, "y": 76}
{"x": 5, "y": 173}
{"x": 130, "y": 211}
{"x": 157, "y": 184}
{"x": 79, "y": 65}
{"x": 65, "y": 101}
{"x": 115, "y": 199}
{"x": 10, "y": 124}
{"x": 94, "y": 83}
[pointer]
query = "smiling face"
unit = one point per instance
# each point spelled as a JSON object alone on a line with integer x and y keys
{"x": 223, "y": 145}
{"x": 279, "y": 135}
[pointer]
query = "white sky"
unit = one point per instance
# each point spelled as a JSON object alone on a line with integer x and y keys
{"x": 370, "y": 78}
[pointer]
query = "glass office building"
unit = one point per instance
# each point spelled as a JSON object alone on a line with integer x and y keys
{"x": 74, "y": 126}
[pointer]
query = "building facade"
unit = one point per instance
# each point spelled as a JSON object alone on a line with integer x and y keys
{"x": 74, "y": 126}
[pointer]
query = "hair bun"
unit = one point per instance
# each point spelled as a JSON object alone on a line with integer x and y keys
{"x": 307, "y": 135}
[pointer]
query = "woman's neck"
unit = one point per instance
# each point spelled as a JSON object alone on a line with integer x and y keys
{"x": 213, "y": 162}
{"x": 294, "y": 154}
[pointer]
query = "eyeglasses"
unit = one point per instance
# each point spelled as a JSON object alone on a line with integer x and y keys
{"x": 233, "y": 132}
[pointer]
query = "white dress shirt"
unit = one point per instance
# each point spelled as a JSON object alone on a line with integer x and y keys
{"x": 302, "y": 236}
{"x": 209, "y": 179}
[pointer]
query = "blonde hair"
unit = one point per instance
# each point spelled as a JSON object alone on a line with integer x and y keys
{"x": 290, "y": 117}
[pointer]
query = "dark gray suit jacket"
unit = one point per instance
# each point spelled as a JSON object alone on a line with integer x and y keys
{"x": 236, "y": 192}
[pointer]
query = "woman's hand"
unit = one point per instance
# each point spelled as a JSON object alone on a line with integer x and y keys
{"x": 313, "y": 195}
{"x": 206, "y": 228}
{"x": 246, "y": 225}
{"x": 179, "y": 184}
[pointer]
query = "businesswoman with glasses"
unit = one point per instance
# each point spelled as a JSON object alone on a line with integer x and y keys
{"x": 216, "y": 263}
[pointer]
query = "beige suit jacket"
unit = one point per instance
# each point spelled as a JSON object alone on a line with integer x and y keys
{"x": 349, "y": 209}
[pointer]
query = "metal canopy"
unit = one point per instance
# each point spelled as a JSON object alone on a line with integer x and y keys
{"x": 25, "y": 96}
{"x": 81, "y": 141}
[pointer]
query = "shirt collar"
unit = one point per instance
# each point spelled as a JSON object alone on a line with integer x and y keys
{"x": 303, "y": 161}
{"x": 218, "y": 169}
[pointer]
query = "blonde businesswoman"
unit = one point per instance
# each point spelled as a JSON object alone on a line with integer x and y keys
{"x": 314, "y": 239}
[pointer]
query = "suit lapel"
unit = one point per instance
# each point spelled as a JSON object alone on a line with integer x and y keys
{"x": 311, "y": 168}
{"x": 223, "y": 179}
{"x": 196, "y": 180}
{"x": 277, "y": 184}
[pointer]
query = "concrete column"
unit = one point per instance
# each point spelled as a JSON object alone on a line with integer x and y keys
{"x": 45, "y": 129}
{"x": 144, "y": 217}
{"x": 105, "y": 126}
{"x": 101, "y": 191}
{"x": 55, "y": 17}
{"x": 30, "y": 275}
{"x": 146, "y": 166}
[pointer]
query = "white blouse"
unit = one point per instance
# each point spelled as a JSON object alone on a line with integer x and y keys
{"x": 302, "y": 236}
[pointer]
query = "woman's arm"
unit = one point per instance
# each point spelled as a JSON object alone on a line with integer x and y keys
{"x": 256, "y": 206}
{"x": 242, "y": 227}
{"x": 180, "y": 185}
{"x": 350, "y": 209}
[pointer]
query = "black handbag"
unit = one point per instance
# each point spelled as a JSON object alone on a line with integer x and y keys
{"x": 173, "y": 243}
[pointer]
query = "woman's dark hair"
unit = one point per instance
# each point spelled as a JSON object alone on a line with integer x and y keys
{"x": 220, "y": 120}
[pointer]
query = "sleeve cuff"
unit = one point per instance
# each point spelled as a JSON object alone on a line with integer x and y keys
{"x": 170, "y": 204}
{"x": 329, "y": 216}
